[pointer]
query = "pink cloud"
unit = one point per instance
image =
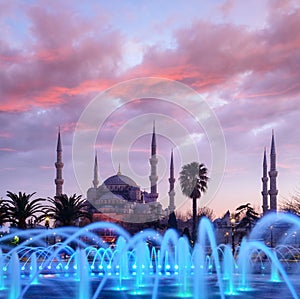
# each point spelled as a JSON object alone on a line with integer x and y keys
{"x": 7, "y": 149}
{"x": 46, "y": 167}
{"x": 5, "y": 135}
{"x": 59, "y": 58}
{"x": 209, "y": 55}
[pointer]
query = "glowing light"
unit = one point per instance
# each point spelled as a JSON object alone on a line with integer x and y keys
{"x": 184, "y": 295}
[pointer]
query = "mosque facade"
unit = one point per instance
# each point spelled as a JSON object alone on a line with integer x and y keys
{"x": 119, "y": 198}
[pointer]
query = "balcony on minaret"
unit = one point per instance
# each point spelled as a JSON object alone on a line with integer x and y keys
{"x": 59, "y": 181}
{"x": 59, "y": 164}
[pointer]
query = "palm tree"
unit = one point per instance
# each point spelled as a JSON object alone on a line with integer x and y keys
{"x": 67, "y": 210}
{"x": 193, "y": 182}
{"x": 248, "y": 216}
{"x": 20, "y": 207}
{"x": 3, "y": 212}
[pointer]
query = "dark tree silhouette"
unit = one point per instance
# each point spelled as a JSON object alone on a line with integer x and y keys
{"x": 186, "y": 233}
{"x": 172, "y": 221}
{"x": 247, "y": 216}
{"x": 3, "y": 212}
{"x": 67, "y": 210}
{"x": 206, "y": 212}
{"x": 20, "y": 207}
{"x": 193, "y": 182}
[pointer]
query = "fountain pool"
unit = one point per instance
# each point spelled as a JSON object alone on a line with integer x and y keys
{"x": 147, "y": 265}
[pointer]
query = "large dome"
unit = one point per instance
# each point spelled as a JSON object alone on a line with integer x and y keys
{"x": 120, "y": 179}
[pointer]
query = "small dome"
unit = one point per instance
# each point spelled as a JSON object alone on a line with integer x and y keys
{"x": 120, "y": 179}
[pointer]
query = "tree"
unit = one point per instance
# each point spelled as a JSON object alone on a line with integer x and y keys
{"x": 20, "y": 207}
{"x": 206, "y": 212}
{"x": 186, "y": 233}
{"x": 292, "y": 205}
{"x": 247, "y": 216}
{"x": 3, "y": 212}
{"x": 201, "y": 212}
{"x": 67, "y": 210}
{"x": 172, "y": 221}
{"x": 193, "y": 182}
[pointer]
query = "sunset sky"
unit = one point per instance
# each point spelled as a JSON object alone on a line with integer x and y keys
{"x": 242, "y": 57}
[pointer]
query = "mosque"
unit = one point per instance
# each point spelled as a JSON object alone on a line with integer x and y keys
{"x": 119, "y": 198}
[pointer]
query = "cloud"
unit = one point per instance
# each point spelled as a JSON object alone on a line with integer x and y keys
{"x": 260, "y": 63}
{"x": 59, "y": 57}
{"x": 56, "y": 57}
{"x": 7, "y": 149}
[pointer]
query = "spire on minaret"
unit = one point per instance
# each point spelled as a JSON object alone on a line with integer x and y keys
{"x": 273, "y": 176}
{"x": 59, "y": 166}
{"x": 171, "y": 190}
{"x": 264, "y": 179}
{"x": 96, "y": 179}
{"x": 119, "y": 170}
{"x": 172, "y": 167}
{"x": 59, "y": 147}
{"x": 153, "y": 143}
{"x": 153, "y": 164}
{"x": 273, "y": 152}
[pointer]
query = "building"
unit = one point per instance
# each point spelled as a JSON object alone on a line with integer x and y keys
{"x": 119, "y": 198}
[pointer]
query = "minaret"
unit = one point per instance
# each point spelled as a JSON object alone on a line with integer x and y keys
{"x": 96, "y": 179}
{"x": 153, "y": 163}
{"x": 171, "y": 191}
{"x": 273, "y": 175}
{"x": 59, "y": 166}
{"x": 264, "y": 179}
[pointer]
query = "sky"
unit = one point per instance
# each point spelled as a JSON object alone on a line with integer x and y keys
{"x": 241, "y": 58}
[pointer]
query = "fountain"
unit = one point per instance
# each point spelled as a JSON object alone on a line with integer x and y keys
{"x": 148, "y": 265}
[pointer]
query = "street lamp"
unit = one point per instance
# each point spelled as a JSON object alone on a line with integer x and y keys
{"x": 226, "y": 237}
{"x": 232, "y": 222}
